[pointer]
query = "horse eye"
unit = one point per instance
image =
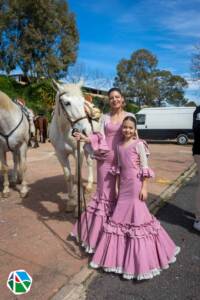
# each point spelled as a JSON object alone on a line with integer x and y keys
{"x": 67, "y": 103}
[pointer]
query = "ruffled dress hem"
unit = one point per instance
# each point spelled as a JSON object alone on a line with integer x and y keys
{"x": 86, "y": 247}
{"x": 92, "y": 221}
{"x": 143, "y": 276}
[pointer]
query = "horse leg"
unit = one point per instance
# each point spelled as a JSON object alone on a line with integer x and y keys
{"x": 15, "y": 169}
{"x": 89, "y": 162}
{"x": 40, "y": 136}
{"x": 71, "y": 202}
{"x": 45, "y": 130}
{"x": 36, "y": 144}
{"x": 6, "y": 190}
{"x": 22, "y": 170}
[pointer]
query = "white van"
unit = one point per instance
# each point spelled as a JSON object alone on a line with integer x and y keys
{"x": 161, "y": 123}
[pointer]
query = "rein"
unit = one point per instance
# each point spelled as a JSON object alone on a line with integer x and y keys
{"x": 80, "y": 199}
{"x": 6, "y": 136}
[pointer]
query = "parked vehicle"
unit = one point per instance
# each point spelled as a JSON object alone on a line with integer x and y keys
{"x": 162, "y": 123}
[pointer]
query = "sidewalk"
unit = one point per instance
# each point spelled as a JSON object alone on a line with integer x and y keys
{"x": 181, "y": 280}
{"x": 33, "y": 231}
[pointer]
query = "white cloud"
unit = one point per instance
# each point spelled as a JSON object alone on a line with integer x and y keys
{"x": 183, "y": 22}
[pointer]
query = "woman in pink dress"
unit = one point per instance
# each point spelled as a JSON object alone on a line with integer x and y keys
{"x": 133, "y": 242}
{"x": 104, "y": 145}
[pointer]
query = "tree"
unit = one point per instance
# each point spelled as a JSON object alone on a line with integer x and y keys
{"x": 139, "y": 79}
{"x": 170, "y": 88}
{"x": 134, "y": 76}
{"x": 191, "y": 104}
{"x": 39, "y": 37}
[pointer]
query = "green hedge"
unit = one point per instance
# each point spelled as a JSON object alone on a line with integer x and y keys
{"x": 39, "y": 96}
{"x": 131, "y": 107}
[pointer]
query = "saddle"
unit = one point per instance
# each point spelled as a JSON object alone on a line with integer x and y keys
{"x": 23, "y": 108}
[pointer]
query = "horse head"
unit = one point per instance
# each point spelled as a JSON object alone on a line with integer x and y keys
{"x": 70, "y": 105}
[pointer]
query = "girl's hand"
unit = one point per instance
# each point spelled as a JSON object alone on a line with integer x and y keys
{"x": 81, "y": 137}
{"x": 143, "y": 194}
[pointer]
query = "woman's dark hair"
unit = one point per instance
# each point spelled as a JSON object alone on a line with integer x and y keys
{"x": 114, "y": 89}
{"x": 132, "y": 119}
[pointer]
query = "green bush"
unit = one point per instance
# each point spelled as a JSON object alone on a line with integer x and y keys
{"x": 11, "y": 87}
{"x": 39, "y": 96}
{"x": 131, "y": 107}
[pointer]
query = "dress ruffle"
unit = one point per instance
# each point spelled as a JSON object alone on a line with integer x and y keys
{"x": 141, "y": 257}
{"x": 101, "y": 206}
{"x": 92, "y": 221}
{"x": 98, "y": 146}
{"x": 143, "y": 276}
{"x": 132, "y": 231}
{"x": 146, "y": 172}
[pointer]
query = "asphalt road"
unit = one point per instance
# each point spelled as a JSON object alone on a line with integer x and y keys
{"x": 182, "y": 280}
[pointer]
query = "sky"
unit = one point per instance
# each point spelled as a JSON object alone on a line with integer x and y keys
{"x": 113, "y": 29}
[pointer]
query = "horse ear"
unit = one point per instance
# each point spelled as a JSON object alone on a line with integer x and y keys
{"x": 81, "y": 82}
{"x": 56, "y": 85}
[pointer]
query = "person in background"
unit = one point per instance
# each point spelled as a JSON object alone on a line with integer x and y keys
{"x": 196, "y": 154}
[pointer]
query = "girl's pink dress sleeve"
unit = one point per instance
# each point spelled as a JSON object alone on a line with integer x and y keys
{"x": 143, "y": 152}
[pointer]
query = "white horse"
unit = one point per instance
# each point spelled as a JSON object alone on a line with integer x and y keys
{"x": 69, "y": 113}
{"x": 14, "y": 137}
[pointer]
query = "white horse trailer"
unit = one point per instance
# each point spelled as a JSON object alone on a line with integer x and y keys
{"x": 162, "y": 123}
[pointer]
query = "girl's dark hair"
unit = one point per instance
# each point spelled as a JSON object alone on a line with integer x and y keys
{"x": 115, "y": 89}
{"x": 132, "y": 119}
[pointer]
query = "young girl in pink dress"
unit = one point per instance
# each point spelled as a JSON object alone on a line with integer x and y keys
{"x": 103, "y": 144}
{"x": 133, "y": 242}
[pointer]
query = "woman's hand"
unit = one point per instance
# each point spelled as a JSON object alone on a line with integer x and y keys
{"x": 81, "y": 137}
{"x": 143, "y": 194}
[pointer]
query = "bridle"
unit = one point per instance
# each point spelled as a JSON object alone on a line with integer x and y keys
{"x": 66, "y": 113}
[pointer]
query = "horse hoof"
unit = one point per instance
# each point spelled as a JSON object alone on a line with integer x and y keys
{"x": 69, "y": 208}
{"x": 5, "y": 195}
{"x": 24, "y": 195}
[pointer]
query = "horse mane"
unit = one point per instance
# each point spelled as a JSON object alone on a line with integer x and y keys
{"x": 73, "y": 89}
{"x": 5, "y": 101}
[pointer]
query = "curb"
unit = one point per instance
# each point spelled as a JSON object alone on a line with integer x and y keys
{"x": 76, "y": 288}
{"x": 171, "y": 190}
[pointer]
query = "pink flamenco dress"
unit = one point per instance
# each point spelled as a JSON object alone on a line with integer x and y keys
{"x": 103, "y": 145}
{"x": 133, "y": 243}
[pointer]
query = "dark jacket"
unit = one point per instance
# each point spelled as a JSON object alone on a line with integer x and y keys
{"x": 196, "y": 131}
